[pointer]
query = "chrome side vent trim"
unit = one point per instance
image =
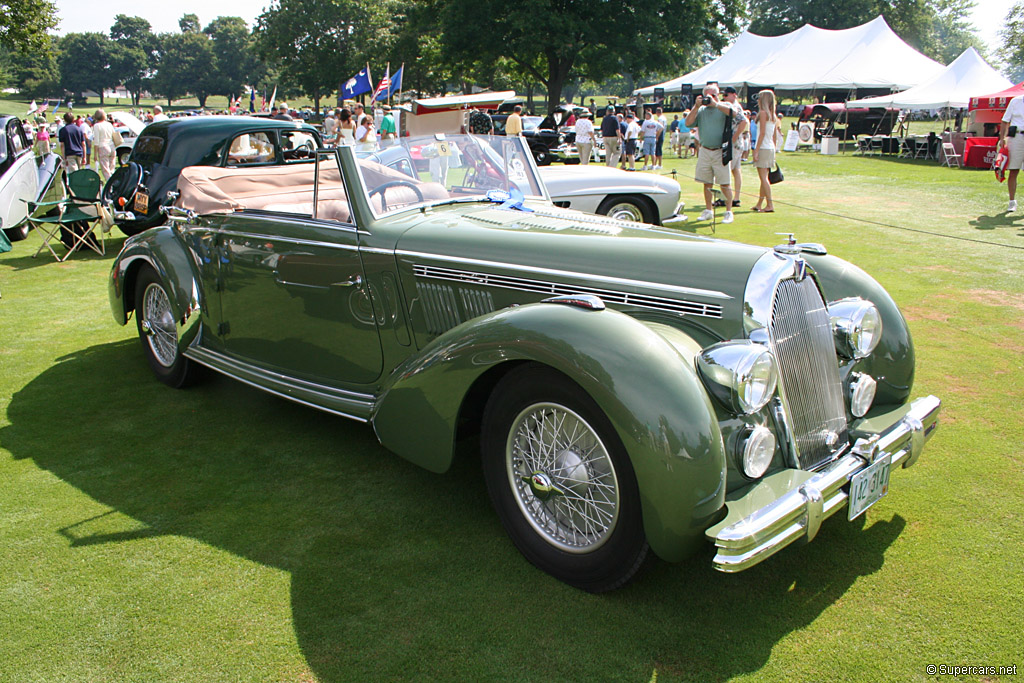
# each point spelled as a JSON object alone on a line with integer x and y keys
{"x": 440, "y": 311}
{"x": 476, "y": 303}
{"x": 811, "y": 391}
{"x": 547, "y": 288}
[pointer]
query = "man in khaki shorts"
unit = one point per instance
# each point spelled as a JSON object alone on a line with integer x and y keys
{"x": 710, "y": 114}
{"x": 1012, "y": 130}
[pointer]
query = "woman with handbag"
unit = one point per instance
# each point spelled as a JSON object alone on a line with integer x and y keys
{"x": 768, "y": 126}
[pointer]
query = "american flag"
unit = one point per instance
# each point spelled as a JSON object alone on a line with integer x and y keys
{"x": 384, "y": 87}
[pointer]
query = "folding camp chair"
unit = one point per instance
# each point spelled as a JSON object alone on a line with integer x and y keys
{"x": 949, "y": 152}
{"x": 74, "y": 220}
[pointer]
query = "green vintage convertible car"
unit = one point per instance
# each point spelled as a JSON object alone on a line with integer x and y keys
{"x": 635, "y": 391}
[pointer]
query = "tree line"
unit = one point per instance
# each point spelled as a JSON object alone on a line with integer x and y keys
{"x": 554, "y": 49}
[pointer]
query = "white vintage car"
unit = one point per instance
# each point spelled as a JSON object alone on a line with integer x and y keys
{"x": 24, "y": 177}
{"x": 596, "y": 188}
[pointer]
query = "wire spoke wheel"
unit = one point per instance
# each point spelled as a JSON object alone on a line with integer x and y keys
{"x": 162, "y": 336}
{"x": 562, "y": 477}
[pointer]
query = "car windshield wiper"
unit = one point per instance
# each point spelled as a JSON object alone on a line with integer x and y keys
{"x": 459, "y": 200}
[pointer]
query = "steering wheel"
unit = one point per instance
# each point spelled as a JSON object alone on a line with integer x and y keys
{"x": 393, "y": 183}
{"x": 123, "y": 185}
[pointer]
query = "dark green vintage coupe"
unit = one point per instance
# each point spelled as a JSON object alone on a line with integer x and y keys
{"x": 633, "y": 389}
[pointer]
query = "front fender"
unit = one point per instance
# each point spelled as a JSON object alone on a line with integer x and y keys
{"x": 162, "y": 250}
{"x": 640, "y": 379}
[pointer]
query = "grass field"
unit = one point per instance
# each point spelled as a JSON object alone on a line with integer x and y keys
{"x": 221, "y": 534}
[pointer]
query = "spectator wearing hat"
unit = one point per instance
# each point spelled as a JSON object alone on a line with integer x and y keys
{"x": 282, "y": 113}
{"x": 158, "y": 113}
{"x": 42, "y": 137}
{"x": 388, "y": 134}
{"x": 652, "y": 130}
{"x": 740, "y": 130}
{"x": 585, "y": 137}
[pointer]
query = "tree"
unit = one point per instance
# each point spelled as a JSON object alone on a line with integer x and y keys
{"x": 554, "y": 42}
{"x": 234, "y": 47}
{"x": 1012, "y": 34}
{"x": 24, "y": 24}
{"x": 34, "y": 72}
{"x": 132, "y": 55}
{"x": 318, "y": 43}
{"x": 85, "y": 63}
{"x": 189, "y": 23}
{"x": 186, "y": 66}
{"x": 952, "y": 31}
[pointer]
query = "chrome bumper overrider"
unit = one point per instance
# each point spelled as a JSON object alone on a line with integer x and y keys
{"x": 798, "y": 514}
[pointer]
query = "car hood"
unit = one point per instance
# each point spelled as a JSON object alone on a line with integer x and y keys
{"x": 569, "y": 247}
{"x": 129, "y": 121}
{"x": 597, "y": 179}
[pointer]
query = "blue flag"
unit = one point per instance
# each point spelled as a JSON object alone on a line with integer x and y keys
{"x": 252, "y": 100}
{"x": 396, "y": 81}
{"x": 357, "y": 85}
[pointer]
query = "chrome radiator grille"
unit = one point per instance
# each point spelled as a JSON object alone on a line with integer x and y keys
{"x": 812, "y": 393}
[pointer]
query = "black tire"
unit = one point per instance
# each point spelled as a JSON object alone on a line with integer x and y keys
{"x": 542, "y": 156}
{"x": 594, "y": 560}
{"x": 17, "y": 234}
{"x": 155, "y": 322}
{"x": 627, "y": 208}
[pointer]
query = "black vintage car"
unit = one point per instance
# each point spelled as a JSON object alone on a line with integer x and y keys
{"x": 138, "y": 190}
{"x": 540, "y": 134}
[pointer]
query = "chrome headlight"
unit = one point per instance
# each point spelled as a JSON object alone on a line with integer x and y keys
{"x": 740, "y": 374}
{"x": 758, "y": 451}
{"x": 856, "y": 326}
{"x": 862, "y": 393}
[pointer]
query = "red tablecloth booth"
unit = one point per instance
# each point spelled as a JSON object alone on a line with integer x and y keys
{"x": 979, "y": 152}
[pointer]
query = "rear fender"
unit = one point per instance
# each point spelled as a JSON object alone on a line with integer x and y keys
{"x": 638, "y": 374}
{"x": 162, "y": 250}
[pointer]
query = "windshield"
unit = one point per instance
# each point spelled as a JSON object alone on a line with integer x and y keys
{"x": 438, "y": 168}
{"x": 531, "y": 122}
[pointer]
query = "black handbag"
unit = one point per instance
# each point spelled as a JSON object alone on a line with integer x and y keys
{"x": 775, "y": 175}
{"x": 727, "y": 142}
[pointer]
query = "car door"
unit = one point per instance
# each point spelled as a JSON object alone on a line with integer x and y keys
{"x": 20, "y": 179}
{"x": 293, "y": 292}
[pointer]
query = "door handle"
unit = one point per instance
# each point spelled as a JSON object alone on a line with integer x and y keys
{"x": 354, "y": 281}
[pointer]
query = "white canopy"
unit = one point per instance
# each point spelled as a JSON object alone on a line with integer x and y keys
{"x": 866, "y": 56}
{"x": 967, "y": 75}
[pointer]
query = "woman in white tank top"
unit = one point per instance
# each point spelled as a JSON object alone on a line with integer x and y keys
{"x": 768, "y": 125}
{"x": 346, "y": 129}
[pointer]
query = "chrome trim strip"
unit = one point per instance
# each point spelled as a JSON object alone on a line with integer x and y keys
{"x": 714, "y": 294}
{"x": 233, "y": 369}
{"x": 796, "y": 514}
{"x": 680, "y": 306}
{"x": 289, "y": 240}
{"x": 376, "y": 250}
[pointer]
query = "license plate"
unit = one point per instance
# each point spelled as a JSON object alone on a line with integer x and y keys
{"x": 869, "y": 485}
{"x": 142, "y": 202}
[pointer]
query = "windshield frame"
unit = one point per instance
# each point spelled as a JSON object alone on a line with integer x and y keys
{"x": 482, "y": 141}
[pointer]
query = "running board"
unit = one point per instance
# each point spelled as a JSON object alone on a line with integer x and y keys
{"x": 339, "y": 402}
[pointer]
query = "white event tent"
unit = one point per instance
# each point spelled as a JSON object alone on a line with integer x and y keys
{"x": 812, "y": 58}
{"x": 967, "y": 75}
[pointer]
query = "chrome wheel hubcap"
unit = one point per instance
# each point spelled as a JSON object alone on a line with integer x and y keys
{"x": 627, "y": 212}
{"x": 158, "y": 325}
{"x": 562, "y": 477}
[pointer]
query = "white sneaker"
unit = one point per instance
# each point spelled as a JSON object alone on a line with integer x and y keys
{"x": 706, "y": 215}
{"x": 1013, "y": 205}
{"x": 727, "y": 218}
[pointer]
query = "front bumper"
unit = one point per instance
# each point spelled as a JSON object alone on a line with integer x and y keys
{"x": 812, "y": 497}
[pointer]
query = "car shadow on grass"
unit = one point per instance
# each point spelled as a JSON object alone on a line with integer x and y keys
{"x": 1000, "y": 220}
{"x": 396, "y": 573}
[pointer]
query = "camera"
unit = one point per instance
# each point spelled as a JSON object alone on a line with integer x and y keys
{"x": 705, "y": 100}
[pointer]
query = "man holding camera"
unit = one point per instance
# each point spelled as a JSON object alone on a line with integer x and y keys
{"x": 1012, "y": 130}
{"x": 711, "y": 115}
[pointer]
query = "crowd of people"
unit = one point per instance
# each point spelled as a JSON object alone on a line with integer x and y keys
{"x": 81, "y": 141}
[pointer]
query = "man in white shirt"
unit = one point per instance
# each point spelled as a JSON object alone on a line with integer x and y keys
{"x": 584, "y": 137}
{"x": 1012, "y": 130}
{"x": 651, "y": 128}
{"x": 158, "y": 113}
{"x": 632, "y": 134}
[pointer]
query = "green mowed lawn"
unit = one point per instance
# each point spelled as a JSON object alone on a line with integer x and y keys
{"x": 222, "y": 534}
